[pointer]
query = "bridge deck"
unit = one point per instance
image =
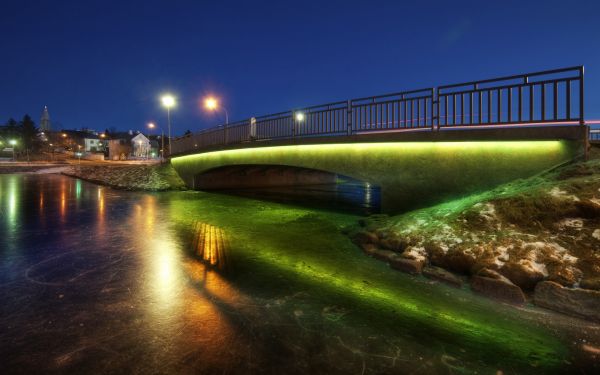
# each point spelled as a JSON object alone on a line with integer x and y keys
{"x": 475, "y": 133}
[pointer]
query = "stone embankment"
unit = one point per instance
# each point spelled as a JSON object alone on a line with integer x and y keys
{"x": 158, "y": 177}
{"x": 531, "y": 240}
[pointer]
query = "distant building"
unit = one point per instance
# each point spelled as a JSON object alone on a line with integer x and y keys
{"x": 45, "y": 125}
{"x": 119, "y": 148}
{"x": 130, "y": 145}
{"x": 75, "y": 140}
{"x": 141, "y": 146}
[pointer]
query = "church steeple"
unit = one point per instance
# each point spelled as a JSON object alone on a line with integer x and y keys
{"x": 45, "y": 121}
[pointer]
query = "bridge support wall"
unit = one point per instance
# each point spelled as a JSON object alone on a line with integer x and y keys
{"x": 410, "y": 174}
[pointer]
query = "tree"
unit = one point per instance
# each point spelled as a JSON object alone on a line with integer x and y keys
{"x": 28, "y": 132}
{"x": 11, "y": 123}
{"x": 10, "y": 130}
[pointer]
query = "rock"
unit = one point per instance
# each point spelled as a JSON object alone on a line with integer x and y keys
{"x": 458, "y": 260}
{"x": 384, "y": 255}
{"x": 490, "y": 283}
{"x": 394, "y": 242}
{"x": 590, "y": 283}
{"x": 522, "y": 274}
{"x": 588, "y": 209}
{"x": 583, "y": 303}
{"x": 368, "y": 248}
{"x": 407, "y": 265}
{"x": 363, "y": 237}
{"x": 436, "y": 253}
{"x": 480, "y": 264}
{"x": 440, "y": 274}
{"x": 489, "y": 273}
{"x": 564, "y": 275}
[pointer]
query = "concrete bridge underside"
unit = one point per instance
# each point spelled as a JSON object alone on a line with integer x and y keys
{"x": 410, "y": 174}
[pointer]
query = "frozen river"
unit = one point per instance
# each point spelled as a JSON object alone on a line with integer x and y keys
{"x": 105, "y": 281}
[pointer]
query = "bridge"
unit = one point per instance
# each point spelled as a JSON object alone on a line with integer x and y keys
{"x": 419, "y": 146}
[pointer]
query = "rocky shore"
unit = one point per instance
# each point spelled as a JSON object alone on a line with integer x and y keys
{"x": 535, "y": 240}
{"x": 158, "y": 177}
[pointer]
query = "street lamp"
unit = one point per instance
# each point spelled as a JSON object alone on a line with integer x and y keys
{"x": 168, "y": 101}
{"x": 152, "y": 125}
{"x": 13, "y": 143}
{"x": 212, "y": 104}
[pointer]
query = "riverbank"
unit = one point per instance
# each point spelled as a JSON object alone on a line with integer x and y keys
{"x": 24, "y": 167}
{"x": 533, "y": 240}
{"x": 155, "y": 177}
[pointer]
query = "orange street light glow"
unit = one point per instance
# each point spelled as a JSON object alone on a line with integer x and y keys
{"x": 211, "y": 103}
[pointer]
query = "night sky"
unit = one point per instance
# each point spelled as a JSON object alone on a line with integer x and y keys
{"x": 103, "y": 64}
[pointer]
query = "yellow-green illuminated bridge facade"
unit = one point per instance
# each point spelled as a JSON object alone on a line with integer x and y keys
{"x": 410, "y": 169}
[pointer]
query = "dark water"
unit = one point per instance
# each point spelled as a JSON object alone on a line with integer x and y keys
{"x": 103, "y": 281}
{"x": 353, "y": 197}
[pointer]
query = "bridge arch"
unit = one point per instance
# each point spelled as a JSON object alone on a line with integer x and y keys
{"x": 240, "y": 176}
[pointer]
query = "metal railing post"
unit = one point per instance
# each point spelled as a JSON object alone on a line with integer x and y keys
{"x": 581, "y": 98}
{"x": 435, "y": 106}
{"x": 349, "y": 117}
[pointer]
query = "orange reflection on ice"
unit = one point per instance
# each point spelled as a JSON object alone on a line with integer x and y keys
{"x": 210, "y": 244}
{"x": 101, "y": 209}
{"x": 63, "y": 200}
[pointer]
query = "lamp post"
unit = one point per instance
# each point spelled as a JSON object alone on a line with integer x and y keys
{"x": 152, "y": 125}
{"x": 168, "y": 101}
{"x": 212, "y": 104}
{"x": 13, "y": 143}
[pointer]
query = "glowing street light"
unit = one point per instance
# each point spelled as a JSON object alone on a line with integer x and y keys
{"x": 168, "y": 101}
{"x": 299, "y": 116}
{"x": 212, "y": 104}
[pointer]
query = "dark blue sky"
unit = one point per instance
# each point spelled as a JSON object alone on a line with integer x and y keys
{"x": 102, "y": 64}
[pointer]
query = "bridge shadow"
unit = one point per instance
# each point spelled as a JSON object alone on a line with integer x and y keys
{"x": 275, "y": 321}
{"x": 295, "y": 186}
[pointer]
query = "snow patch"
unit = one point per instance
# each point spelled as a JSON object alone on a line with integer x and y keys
{"x": 574, "y": 223}
{"x": 417, "y": 253}
{"x": 561, "y": 194}
{"x": 488, "y": 212}
{"x": 534, "y": 266}
{"x": 557, "y": 247}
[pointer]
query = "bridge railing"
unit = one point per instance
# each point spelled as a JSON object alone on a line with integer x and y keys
{"x": 542, "y": 97}
{"x": 595, "y": 135}
{"x": 404, "y": 110}
{"x": 552, "y": 96}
